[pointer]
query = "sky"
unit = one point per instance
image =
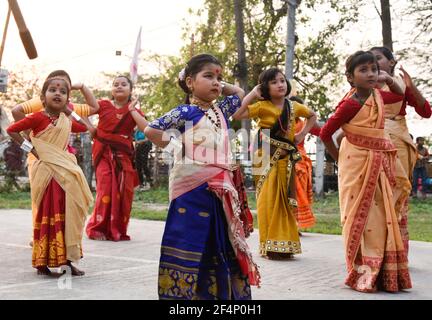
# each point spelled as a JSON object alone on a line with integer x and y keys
{"x": 82, "y": 36}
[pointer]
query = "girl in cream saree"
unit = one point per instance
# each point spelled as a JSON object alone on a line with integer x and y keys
{"x": 58, "y": 187}
{"x": 374, "y": 251}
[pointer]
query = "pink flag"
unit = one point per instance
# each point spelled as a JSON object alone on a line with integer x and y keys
{"x": 134, "y": 63}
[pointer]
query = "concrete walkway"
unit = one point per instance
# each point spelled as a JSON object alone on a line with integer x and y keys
{"x": 128, "y": 270}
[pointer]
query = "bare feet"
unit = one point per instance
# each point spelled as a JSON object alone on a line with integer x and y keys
{"x": 43, "y": 271}
{"x": 74, "y": 270}
{"x": 279, "y": 256}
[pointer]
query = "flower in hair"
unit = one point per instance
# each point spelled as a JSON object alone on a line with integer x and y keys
{"x": 182, "y": 74}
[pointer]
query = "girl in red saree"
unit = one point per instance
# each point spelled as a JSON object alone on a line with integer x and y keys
{"x": 116, "y": 177}
{"x": 374, "y": 250}
{"x": 59, "y": 189}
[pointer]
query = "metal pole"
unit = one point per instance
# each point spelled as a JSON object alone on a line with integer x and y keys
{"x": 4, "y": 34}
{"x": 290, "y": 43}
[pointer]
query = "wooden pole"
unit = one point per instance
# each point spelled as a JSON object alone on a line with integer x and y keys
{"x": 25, "y": 35}
{"x": 4, "y": 34}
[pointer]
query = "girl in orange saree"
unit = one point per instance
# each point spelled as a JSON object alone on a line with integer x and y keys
{"x": 58, "y": 187}
{"x": 374, "y": 251}
{"x": 303, "y": 178}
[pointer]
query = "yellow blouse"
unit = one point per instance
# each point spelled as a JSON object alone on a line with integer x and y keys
{"x": 266, "y": 114}
{"x": 35, "y": 105}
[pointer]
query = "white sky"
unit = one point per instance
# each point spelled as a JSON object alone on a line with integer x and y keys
{"x": 81, "y": 36}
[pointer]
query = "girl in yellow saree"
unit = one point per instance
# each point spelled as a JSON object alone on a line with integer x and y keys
{"x": 375, "y": 255}
{"x": 274, "y": 162}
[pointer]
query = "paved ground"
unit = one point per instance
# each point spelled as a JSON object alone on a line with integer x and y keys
{"x": 128, "y": 270}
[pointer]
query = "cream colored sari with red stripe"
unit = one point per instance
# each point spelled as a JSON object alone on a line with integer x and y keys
{"x": 396, "y": 127}
{"x": 375, "y": 255}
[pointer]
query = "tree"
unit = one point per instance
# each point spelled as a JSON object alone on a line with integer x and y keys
{"x": 318, "y": 67}
{"x": 386, "y": 23}
{"x": 20, "y": 88}
{"x": 419, "y": 50}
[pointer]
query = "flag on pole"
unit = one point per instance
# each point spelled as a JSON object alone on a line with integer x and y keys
{"x": 134, "y": 63}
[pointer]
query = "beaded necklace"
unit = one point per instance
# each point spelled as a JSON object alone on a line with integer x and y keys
{"x": 53, "y": 119}
{"x": 208, "y": 105}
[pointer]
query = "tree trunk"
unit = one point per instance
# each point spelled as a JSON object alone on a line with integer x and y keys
{"x": 386, "y": 24}
{"x": 242, "y": 71}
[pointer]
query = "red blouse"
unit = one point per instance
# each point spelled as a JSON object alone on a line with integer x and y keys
{"x": 38, "y": 122}
{"x": 346, "y": 110}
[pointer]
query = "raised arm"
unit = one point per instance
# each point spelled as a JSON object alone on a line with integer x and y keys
{"x": 230, "y": 90}
{"x": 31, "y": 106}
{"x": 88, "y": 96}
{"x": 243, "y": 111}
{"x": 156, "y": 136}
{"x": 390, "y": 81}
{"x": 415, "y": 98}
{"x": 140, "y": 121}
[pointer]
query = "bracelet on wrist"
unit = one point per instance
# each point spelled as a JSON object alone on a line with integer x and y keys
{"x": 75, "y": 116}
{"x": 223, "y": 85}
{"x": 26, "y": 146}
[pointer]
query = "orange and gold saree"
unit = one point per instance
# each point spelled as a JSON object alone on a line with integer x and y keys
{"x": 303, "y": 185}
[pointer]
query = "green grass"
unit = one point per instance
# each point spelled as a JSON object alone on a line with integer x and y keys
{"x": 15, "y": 200}
{"x": 326, "y": 211}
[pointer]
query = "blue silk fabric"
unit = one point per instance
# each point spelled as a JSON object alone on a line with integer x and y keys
{"x": 197, "y": 259}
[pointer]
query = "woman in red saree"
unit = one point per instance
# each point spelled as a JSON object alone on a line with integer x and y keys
{"x": 116, "y": 176}
{"x": 374, "y": 250}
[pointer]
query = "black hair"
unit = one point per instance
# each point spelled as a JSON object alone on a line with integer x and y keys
{"x": 387, "y": 53}
{"x": 48, "y": 82}
{"x": 419, "y": 138}
{"x": 359, "y": 57}
{"x": 267, "y": 76}
{"x": 130, "y": 85}
{"x": 194, "y": 66}
{"x": 297, "y": 99}
{"x": 59, "y": 73}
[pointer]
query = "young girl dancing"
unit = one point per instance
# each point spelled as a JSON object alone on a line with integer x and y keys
{"x": 204, "y": 253}
{"x": 396, "y": 126}
{"x": 374, "y": 251}
{"x": 113, "y": 153}
{"x": 59, "y": 189}
{"x": 274, "y": 162}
